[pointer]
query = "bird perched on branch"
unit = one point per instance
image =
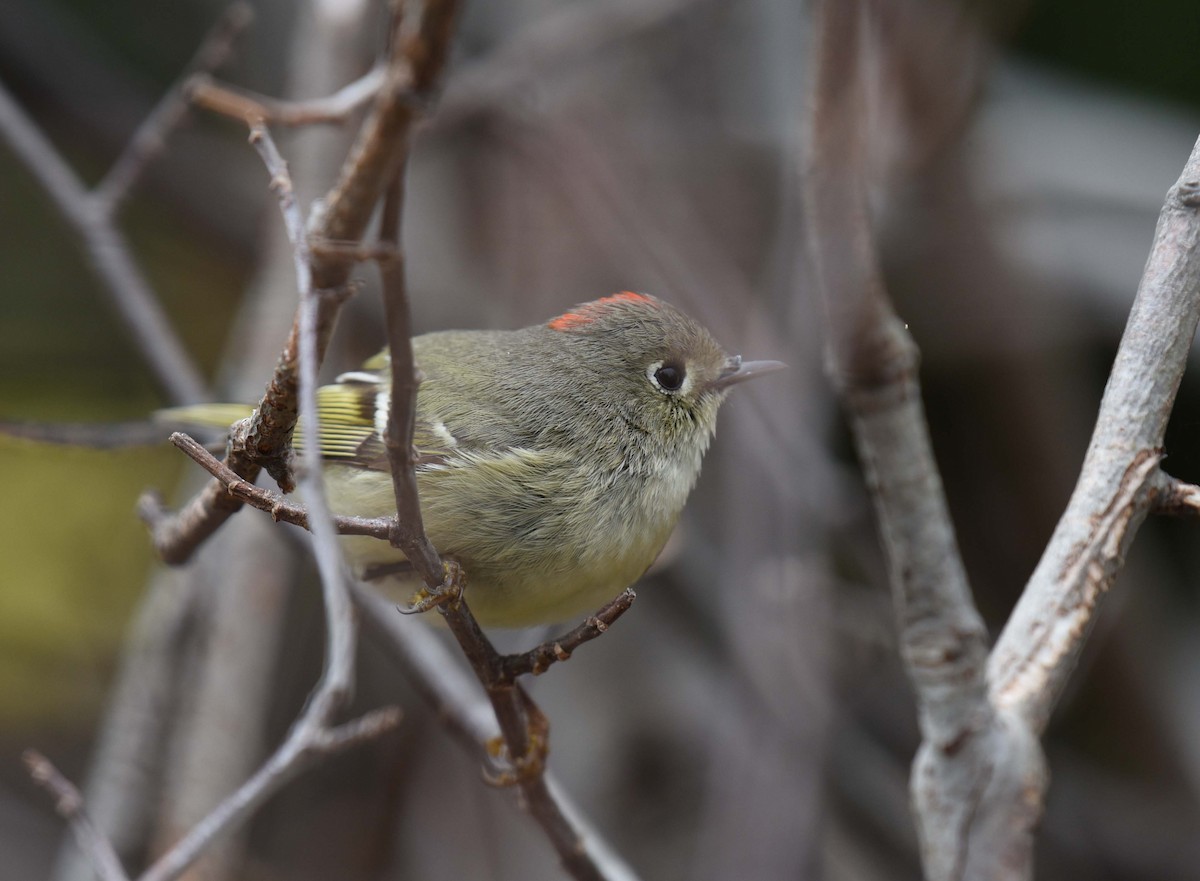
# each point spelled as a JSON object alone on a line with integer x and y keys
{"x": 552, "y": 461}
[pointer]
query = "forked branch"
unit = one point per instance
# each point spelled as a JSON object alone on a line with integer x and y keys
{"x": 978, "y": 781}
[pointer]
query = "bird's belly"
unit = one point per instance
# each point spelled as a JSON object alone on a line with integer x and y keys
{"x": 528, "y": 560}
{"x": 526, "y": 590}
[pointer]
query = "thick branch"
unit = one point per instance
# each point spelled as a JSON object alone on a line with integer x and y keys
{"x": 1041, "y": 643}
{"x": 874, "y": 364}
{"x": 978, "y": 779}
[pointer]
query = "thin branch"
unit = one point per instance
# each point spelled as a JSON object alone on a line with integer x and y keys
{"x": 539, "y": 659}
{"x": 1174, "y": 497}
{"x": 427, "y": 49}
{"x": 523, "y": 726}
{"x": 280, "y": 509}
{"x": 247, "y": 106}
{"x": 128, "y": 290}
{"x": 68, "y": 802}
{"x": 1116, "y": 489}
{"x": 308, "y": 740}
{"x": 150, "y": 138}
{"x": 264, "y": 440}
{"x": 313, "y": 734}
{"x": 409, "y": 532}
{"x": 454, "y": 694}
{"x": 376, "y": 163}
{"x": 338, "y": 680}
{"x": 94, "y": 435}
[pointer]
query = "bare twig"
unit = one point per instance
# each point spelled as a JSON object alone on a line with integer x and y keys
{"x": 264, "y": 440}
{"x": 1116, "y": 489}
{"x": 409, "y": 531}
{"x": 523, "y": 727}
{"x": 241, "y": 104}
{"x": 150, "y": 137}
{"x": 314, "y": 733}
{"x": 455, "y": 696}
{"x": 308, "y": 740}
{"x": 91, "y": 212}
{"x": 540, "y": 658}
{"x": 280, "y": 509}
{"x": 69, "y": 803}
{"x": 128, "y": 290}
{"x": 339, "y": 670}
{"x": 1174, "y": 497}
{"x": 95, "y": 435}
{"x": 376, "y": 161}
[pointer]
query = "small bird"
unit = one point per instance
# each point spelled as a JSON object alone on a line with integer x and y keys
{"x": 552, "y": 461}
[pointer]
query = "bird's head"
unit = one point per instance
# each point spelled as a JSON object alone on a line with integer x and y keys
{"x": 656, "y": 368}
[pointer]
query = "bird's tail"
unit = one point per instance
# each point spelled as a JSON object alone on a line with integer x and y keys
{"x": 204, "y": 415}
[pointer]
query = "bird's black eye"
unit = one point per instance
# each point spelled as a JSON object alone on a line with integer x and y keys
{"x": 669, "y": 377}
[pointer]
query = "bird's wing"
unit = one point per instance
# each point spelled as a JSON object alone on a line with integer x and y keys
{"x": 351, "y": 417}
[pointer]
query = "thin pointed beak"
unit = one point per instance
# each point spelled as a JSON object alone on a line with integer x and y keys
{"x": 737, "y": 370}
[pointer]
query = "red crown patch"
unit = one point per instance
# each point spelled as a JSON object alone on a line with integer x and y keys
{"x": 589, "y": 312}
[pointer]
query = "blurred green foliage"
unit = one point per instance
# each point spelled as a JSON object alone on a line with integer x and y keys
{"x": 77, "y": 557}
{"x": 71, "y": 580}
{"x": 1146, "y": 47}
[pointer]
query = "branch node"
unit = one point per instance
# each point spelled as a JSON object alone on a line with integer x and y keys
{"x": 1188, "y": 193}
{"x": 1173, "y": 497}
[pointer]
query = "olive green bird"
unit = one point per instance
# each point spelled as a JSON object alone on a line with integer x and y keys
{"x": 553, "y": 461}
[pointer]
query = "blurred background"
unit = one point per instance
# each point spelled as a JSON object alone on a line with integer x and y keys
{"x": 748, "y": 718}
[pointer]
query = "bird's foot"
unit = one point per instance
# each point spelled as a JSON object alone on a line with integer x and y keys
{"x": 449, "y": 592}
{"x": 508, "y": 771}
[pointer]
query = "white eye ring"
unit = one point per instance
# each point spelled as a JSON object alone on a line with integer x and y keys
{"x": 685, "y": 382}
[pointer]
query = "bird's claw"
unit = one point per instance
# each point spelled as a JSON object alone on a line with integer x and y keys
{"x": 505, "y": 770}
{"x": 450, "y": 591}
